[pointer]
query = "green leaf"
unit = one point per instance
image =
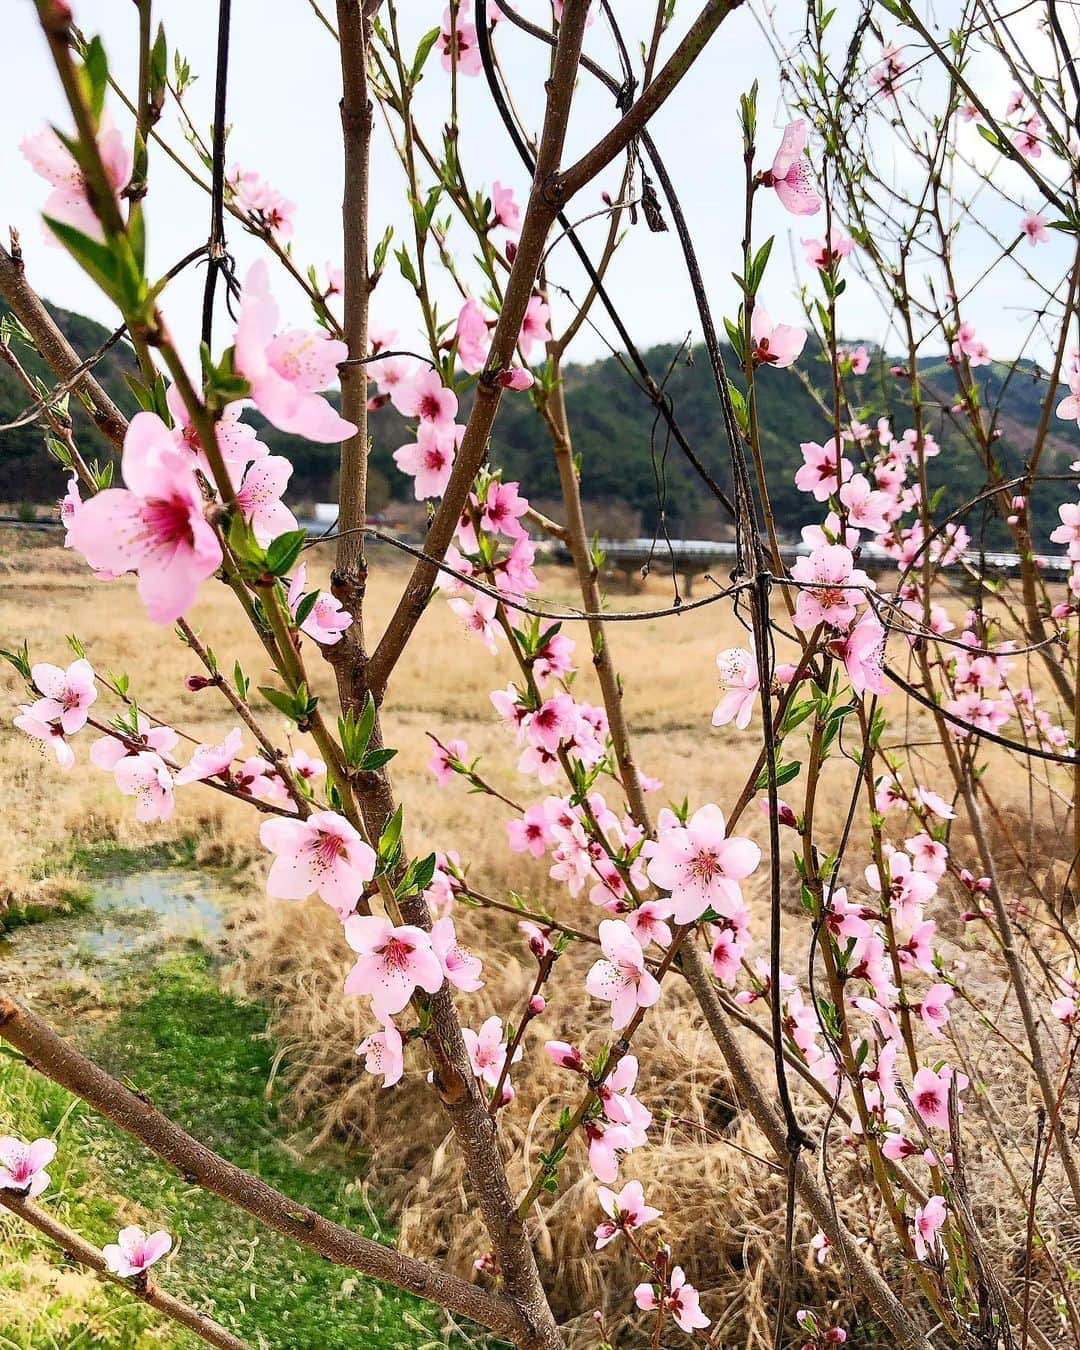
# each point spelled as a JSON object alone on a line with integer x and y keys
{"x": 423, "y": 50}
{"x": 279, "y": 699}
{"x": 284, "y": 551}
{"x": 93, "y": 256}
{"x": 375, "y": 759}
{"x": 304, "y": 608}
{"x": 95, "y": 76}
{"x": 784, "y": 774}
{"x": 390, "y": 838}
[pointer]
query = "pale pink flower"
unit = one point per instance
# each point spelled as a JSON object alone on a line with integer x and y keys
{"x": 739, "y": 681}
{"x": 552, "y": 723}
{"x": 66, "y": 695}
{"x": 790, "y": 174}
{"x": 1069, "y": 407}
{"x": 258, "y": 495}
{"x": 516, "y": 377}
{"x": 108, "y": 751}
{"x": 626, "y": 1211}
{"x": 930, "y": 1095}
{"x": 606, "y": 1145}
{"x": 146, "y": 777}
{"x": 684, "y": 1303}
{"x": 208, "y": 761}
{"x": 305, "y": 766}
{"x": 863, "y": 652}
{"x": 427, "y": 398}
{"x": 323, "y": 853}
{"x": 22, "y": 1166}
{"x": 934, "y": 1007}
{"x": 927, "y": 1222}
{"x": 235, "y": 439}
{"x": 155, "y": 525}
{"x": 831, "y": 579}
{"x": 478, "y": 615}
{"x": 327, "y": 619}
{"x": 505, "y": 211}
{"x": 647, "y": 922}
{"x": 1028, "y": 140}
{"x": 503, "y": 509}
{"x": 935, "y": 802}
{"x": 430, "y": 458}
{"x": 472, "y": 340}
{"x": 36, "y": 721}
{"x": 487, "y": 1050}
{"x": 868, "y": 509}
{"x": 534, "y": 326}
{"x": 776, "y": 345}
{"x": 860, "y": 360}
{"x": 1035, "y": 227}
{"x": 286, "y": 371}
{"x": 530, "y": 834}
{"x": 69, "y": 201}
{"x": 384, "y": 1053}
{"x": 393, "y": 962}
{"x": 566, "y": 1056}
{"x": 134, "y": 1251}
{"x": 459, "y": 965}
{"x": 701, "y": 866}
{"x": 458, "y": 44}
{"x": 818, "y": 473}
{"x": 439, "y": 763}
{"x": 822, "y": 254}
{"x": 621, "y": 978}
{"x": 263, "y": 204}
{"x": 967, "y": 344}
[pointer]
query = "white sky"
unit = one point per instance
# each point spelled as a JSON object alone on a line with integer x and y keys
{"x": 283, "y": 96}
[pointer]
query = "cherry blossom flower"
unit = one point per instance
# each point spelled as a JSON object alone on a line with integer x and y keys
{"x": 530, "y": 834}
{"x": 384, "y": 1053}
{"x": 263, "y": 204}
{"x": 739, "y": 681}
{"x": 682, "y": 1301}
{"x": 430, "y": 458}
{"x": 818, "y": 473}
{"x": 458, "y": 44}
{"x": 460, "y": 966}
{"x": 258, "y": 495}
{"x": 1028, "y": 140}
{"x": 505, "y": 211}
{"x": 69, "y": 201}
{"x": 154, "y": 526}
{"x": 790, "y": 174}
{"x": 934, "y": 1007}
{"x": 867, "y": 508}
{"x": 516, "y": 377}
{"x": 235, "y": 439}
{"x": 478, "y": 615}
{"x": 534, "y": 326}
{"x": 472, "y": 339}
{"x": 621, "y": 978}
{"x": 626, "y": 1211}
{"x": 701, "y": 866}
{"x": 208, "y": 761}
{"x": 441, "y": 757}
{"x": 566, "y": 1056}
{"x": 146, "y": 777}
{"x": 647, "y": 922}
{"x": 487, "y": 1050}
{"x": 967, "y": 344}
{"x": 393, "y": 962}
{"x": 107, "y": 752}
{"x": 822, "y": 254}
{"x": 286, "y": 371}
{"x": 831, "y": 577}
{"x": 134, "y": 1251}
{"x": 22, "y": 1166}
{"x": 607, "y": 1143}
{"x": 323, "y": 853}
{"x": 35, "y": 720}
{"x": 326, "y": 620}
{"x": 885, "y": 76}
{"x": 1069, "y": 407}
{"x": 930, "y": 1095}
{"x": 427, "y": 398}
{"x": 776, "y": 345}
{"x": 935, "y": 802}
{"x": 862, "y": 652}
{"x": 927, "y": 1223}
{"x": 1035, "y": 228}
{"x": 306, "y": 767}
{"x": 503, "y": 508}
{"x": 66, "y": 695}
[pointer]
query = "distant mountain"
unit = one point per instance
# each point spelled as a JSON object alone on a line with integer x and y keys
{"x": 628, "y": 464}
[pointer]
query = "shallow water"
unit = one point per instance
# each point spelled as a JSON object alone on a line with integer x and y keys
{"x": 130, "y": 913}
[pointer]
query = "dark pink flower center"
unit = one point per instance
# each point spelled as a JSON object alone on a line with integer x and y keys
{"x": 168, "y": 520}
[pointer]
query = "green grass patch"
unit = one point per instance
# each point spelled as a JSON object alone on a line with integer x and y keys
{"x": 73, "y": 899}
{"x": 203, "y": 1058}
{"x": 109, "y": 858}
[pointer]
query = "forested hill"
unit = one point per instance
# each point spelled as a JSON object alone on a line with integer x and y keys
{"x": 628, "y": 464}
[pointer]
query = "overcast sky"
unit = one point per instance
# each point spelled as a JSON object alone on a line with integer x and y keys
{"x": 283, "y": 105}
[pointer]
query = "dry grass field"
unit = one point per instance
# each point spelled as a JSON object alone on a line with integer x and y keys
{"x": 723, "y": 1209}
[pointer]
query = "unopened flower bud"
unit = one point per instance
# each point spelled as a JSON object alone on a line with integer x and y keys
{"x": 194, "y": 683}
{"x": 537, "y": 1004}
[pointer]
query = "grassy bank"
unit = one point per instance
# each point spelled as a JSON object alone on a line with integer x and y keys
{"x": 203, "y": 1057}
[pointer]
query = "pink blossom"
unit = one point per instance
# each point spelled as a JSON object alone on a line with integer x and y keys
{"x": 621, "y": 978}
{"x": 930, "y": 1095}
{"x": 323, "y": 853}
{"x": 516, "y": 377}
{"x": 1069, "y": 407}
{"x": 487, "y": 1050}
{"x": 739, "y": 681}
{"x": 326, "y": 620}
{"x": 967, "y": 344}
{"x": 36, "y": 721}
{"x": 776, "y": 345}
{"x": 820, "y": 254}
{"x": 235, "y": 439}
{"x": 472, "y": 339}
{"x": 155, "y": 525}
{"x": 647, "y": 922}
{"x": 210, "y": 761}
{"x": 534, "y": 326}
{"x": 701, "y": 866}
{"x": 66, "y": 695}
{"x": 885, "y": 76}
{"x": 790, "y": 174}
{"x": 831, "y": 577}
{"x": 145, "y": 777}
{"x": 441, "y": 757}
{"x": 69, "y": 201}
{"x": 928, "y": 1220}
{"x": 505, "y": 211}
{"x": 1028, "y": 140}
{"x": 626, "y": 1211}
{"x": 862, "y": 652}
{"x": 458, "y": 44}
{"x": 684, "y": 1303}
{"x": 108, "y": 751}
{"x": 430, "y": 458}
{"x": 263, "y": 204}
{"x": 934, "y": 1008}
{"x": 566, "y": 1056}
{"x": 258, "y": 495}
{"x": 539, "y": 940}
{"x": 460, "y": 966}
{"x": 867, "y": 508}
{"x": 384, "y": 1053}
{"x": 503, "y": 509}
{"x": 286, "y": 371}
{"x": 134, "y": 1251}
{"x": 22, "y": 1166}
{"x": 818, "y": 473}
{"x": 530, "y": 834}
{"x": 427, "y": 398}
{"x": 478, "y": 615}
{"x": 1035, "y": 227}
{"x": 393, "y": 962}
{"x": 935, "y": 802}
{"x": 606, "y": 1144}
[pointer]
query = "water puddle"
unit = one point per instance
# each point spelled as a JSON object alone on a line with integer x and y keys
{"x": 131, "y": 914}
